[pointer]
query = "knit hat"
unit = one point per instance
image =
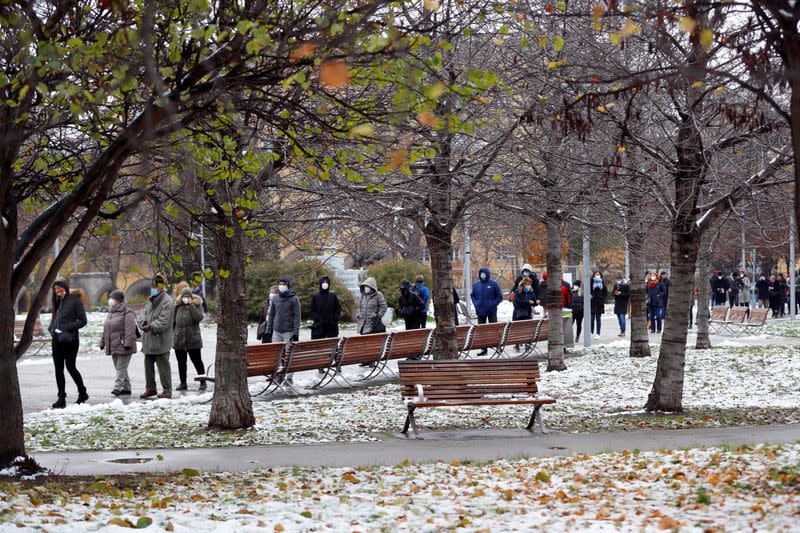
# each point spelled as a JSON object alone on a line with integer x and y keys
{"x": 405, "y": 284}
{"x": 63, "y": 284}
{"x": 186, "y": 292}
{"x": 158, "y": 281}
{"x": 286, "y": 280}
{"x": 117, "y": 295}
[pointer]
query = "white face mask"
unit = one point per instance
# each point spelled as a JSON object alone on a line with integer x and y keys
{"x": 282, "y": 288}
{"x": 186, "y": 300}
{"x": 112, "y": 302}
{"x": 597, "y": 277}
{"x": 325, "y": 286}
{"x": 367, "y": 290}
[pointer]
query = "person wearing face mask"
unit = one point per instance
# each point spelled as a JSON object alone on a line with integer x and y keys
{"x": 524, "y": 301}
{"x": 325, "y": 311}
{"x": 622, "y": 297}
{"x": 157, "y": 339}
{"x": 371, "y": 308}
{"x": 762, "y": 291}
{"x": 486, "y": 296}
{"x": 525, "y": 272}
{"x": 736, "y": 288}
{"x": 655, "y": 303}
{"x": 186, "y": 322}
{"x": 119, "y": 340}
{"x": 720, "y": 287}
{"x": 410, "y": 306}
{"x": 599, "y": 294}
{"x": 261, "y": 332}
{"x": 424, "y": 294}
{"x": 775, "y": 296}
{"x": 577, "y": 308}
{"x": 68, "y": 317}
{"x": 283, "y": 322}
{"x": 746, "y": 292}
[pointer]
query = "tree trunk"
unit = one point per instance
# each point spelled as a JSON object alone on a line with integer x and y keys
{"x": 231, "y": 407}
{"x": 12, "y": 440}
{"x": 792, "y": 45}
{"x": 640, "y": 341}
{"x": 555, "y": 342}
{"x": 703, "y": 341}
{"x": 440, "y": 247}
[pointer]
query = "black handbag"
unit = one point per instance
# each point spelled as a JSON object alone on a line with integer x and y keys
{"x": 377, "y": 325}
{"x": 262, "y": 329}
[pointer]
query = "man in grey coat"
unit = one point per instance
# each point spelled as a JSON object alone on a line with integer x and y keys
{"x": 157, "y": 339}
{"x": 283, "y": 319}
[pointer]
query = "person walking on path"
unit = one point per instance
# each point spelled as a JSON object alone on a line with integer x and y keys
{"x": 577, "y": 308}
{"x": 261, "y": 332}
{"x": 157, "y": 339}
{"x": 410, "y": 306}
{"x": 371, "y": 308}
{"x": 325, "y": 311}
{"x": 486, "y": 296}
{"x": 283, "y": 321}
{"x": 599, "y": 293}
{"x": 720, "y": 286}
{"x": 68, "y": 317}
{"x": 655, "y": 303}
{"x": 622, "y": 297}
{"x": 762, "y": 291}
{"x": 188, "y": 315}
{"x": 425, "y": 295}
{"x": 119, "y": 340}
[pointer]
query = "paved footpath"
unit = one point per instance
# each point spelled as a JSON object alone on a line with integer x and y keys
{"x": 445, "y": 446}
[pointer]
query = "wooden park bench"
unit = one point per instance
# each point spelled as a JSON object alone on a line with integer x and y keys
{"x": 360, "y": 350}
{"x": 263, "y": 360}
{"x": 755, "y": 321}
{"x": 464, "y": 338}
{"x": 485, "y": 336}
{"x": 38, "y": 332}
{"x": 718, "y": 319}
{"x": 411, "y": 344}
{"x": 451, "y": 383}
{"x": 462, "y": 307}
{"x": 525, "y": 333}
{"x": 317, "y": 354}
{"x": 735, "y": 319}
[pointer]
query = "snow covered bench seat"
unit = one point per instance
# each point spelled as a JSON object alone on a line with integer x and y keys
{"x": 38, "y": 331}
{"x": 451, "y": 383}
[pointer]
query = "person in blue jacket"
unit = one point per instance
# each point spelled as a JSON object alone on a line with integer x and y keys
{"x": 425, "y": 295}
{"x": 486, "y": 296}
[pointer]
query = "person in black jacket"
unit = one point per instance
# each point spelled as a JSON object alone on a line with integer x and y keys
{"x": 599, "y": 294}
{"x": 410, "y": 306}
{"x": 622, "y": 296}
{"x": 665, "y": 281}
{"x": 577, "y": 308}
{"x": 655, "y": 303}
{"x": 325, "y": 311}
{"x": 783, "y": 294}
{"x": 68, "y": 317}
{"x": 456, "y": 299}
{"x": 720, "y": 287}
{"x": 762, "y": 291}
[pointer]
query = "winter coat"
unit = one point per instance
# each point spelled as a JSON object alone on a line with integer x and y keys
{"x": 746, "y": 291}
{"x": 655, "y": 295}
{"x": 667, "y": 285}
{"x": 622, "y": 299}
{"x": 325, "y": 308}
{"x": 577, "y": 300}
{"x": 762, "y": 289}
{"x": 720, "y": 286}
{"x": 119, "y": 331}
{"x": 566, "y": 295}
{"x": 187, "y": 325}
{"x": 523, "y": 304}
{"x": 599, "y": 296}
{"x": 423, "y": 292}
{"x": 370, "y": 306}
{"x": 486, "y": 295}
{"x": 534, "y": 279}
{"x": 736, "y": 285}
{"x": 284, "y": 314}
{"x": 410, "y": 305}
{"x": 158, "y": 313}
{"x": 69, "y": 316}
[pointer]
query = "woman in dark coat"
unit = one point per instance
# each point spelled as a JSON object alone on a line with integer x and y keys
{"x": 775, "y": 296}
{"x": 68, "y": 317}
{"x": 524, "y": 300}
{"x": 577, "y": 308}
{"x": 325, "y": 311}
{"x": 410, "y": 306}
{"x": 599, "y": 293}
{"x": 622, "y": 296}
{"x": 655, "y": 303}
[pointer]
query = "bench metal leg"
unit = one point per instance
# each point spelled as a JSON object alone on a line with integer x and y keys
{"x": 410, "y": 420}
{"x": 327, "y": 378}
{"x": 536, "y": 416}
{"x": 339, "y": 375}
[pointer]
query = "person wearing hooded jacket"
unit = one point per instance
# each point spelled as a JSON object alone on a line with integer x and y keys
{"x": 119, "y": 340}
{"x": 325, "y": 311}
{"x": 599, "y": 294}
{"x": 188, "y": 315}
{"x": 525, "y": 272}
{"x": 486, "y": 296}
{"x": 720, "y": 287}
{"x": 68, "y": 317}
{"x": 410, "y": 306}
{"x": 283, "y": 322}
{"x": 622, "y": 297}
{"x": 371, "y": 308}
{"x": 655, "y": 303}
{"x": 524, "y": 300}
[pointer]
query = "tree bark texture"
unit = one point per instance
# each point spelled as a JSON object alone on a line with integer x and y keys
{"x": 703, "y": 341}
{"x": 640, "y": 341}
{"x": 555, "y": 342}
{"x": 231, "y": 407}
{"x": 440, "y": 247}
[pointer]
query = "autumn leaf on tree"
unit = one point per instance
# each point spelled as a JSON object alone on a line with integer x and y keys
{"x": 334, "y": 74}
{"x": 302, "y": 51}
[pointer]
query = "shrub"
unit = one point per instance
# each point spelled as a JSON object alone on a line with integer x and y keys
{"x": 305, "y": 277}
{"x": 389, "y": 273}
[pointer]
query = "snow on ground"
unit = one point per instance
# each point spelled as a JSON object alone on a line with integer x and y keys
{"x": 702, "y": 489}
{"x": 603, "y": 389}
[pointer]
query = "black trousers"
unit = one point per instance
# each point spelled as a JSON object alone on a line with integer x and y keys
{"x": 329, "y": 331}
{"x": 65, "y": 355}
{"x": 492, "y": 318}
{"x": 413, "y": 322}
{"x": 577, "y": 319}
{"x": 197, "y": 361}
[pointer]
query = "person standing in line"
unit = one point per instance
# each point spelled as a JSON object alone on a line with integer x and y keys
{"x": 283, "y": 322}
{"x": 694, "y": 291}
{"x": 410, "y": 306}
{"x": 326, "y": 310}
{"x": 577, "y": 308}
{"x": 736, "y": 289}
{"x": 188, "y": 315}
{"x": 486, "y": 296}
{"x": 667, "y": 283}
{"x": 541, "y": 293}
{"x": 775, "y": 296}
{"x": 425, "y": 295}
{"x": 655, "y": 303}
{"x": 622, "y": 296}
{"x": 68, "y": 317}
{"x": 525, "y": 272}
{"x": 197, "y": 289}
{"x": 371, "y": 308}
{"x": 720, "y": 287}
{"x": 261, "y": 332}
{"x": 456, "y": 300}
{"x": 119, "y": 340}
{"x": 566, "y": 295}
{"x": 524, "y": 302}
{"x": 599, "y": 294}
{"x": 746, "y": 292}
{"x": 157, "y": 339}
{"x": 762, "y": 291}
{"x": 783, "y": 291}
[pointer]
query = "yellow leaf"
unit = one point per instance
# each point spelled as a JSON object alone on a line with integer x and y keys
{"x": 362, "y": 130}
{"x": 302, "y": 51}
{"x": 630, "y": 28}
{"x": 597, "y": 13}
{"x": 621, "y": 149}
{"x": 719, "y": 90}
{"x": 279, "y": 527}
{"x": 668, "y": 523}
{"x": 436, "y": 91}
{"x": 602, "y": 108}
{"x": 498, "y": 41}
{"x": 558, "y": 42}
{"x": 706, "y": 39}
{"x": 120, "y": 522}
{"x": 497, "y": 177}
{"x": 543, "y": 41}
{"x": 224, "y": 273}
{"x": 697, "y": 84}
{"x": 687, "y": 24}
{"x": 615, "y": 38}
{"x": 431, "y": 5}
{"x": 334, "y": 74}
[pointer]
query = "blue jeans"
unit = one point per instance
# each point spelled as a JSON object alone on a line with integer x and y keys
{"x": 655, "y": 315}
{"x": 622, "y": 322}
